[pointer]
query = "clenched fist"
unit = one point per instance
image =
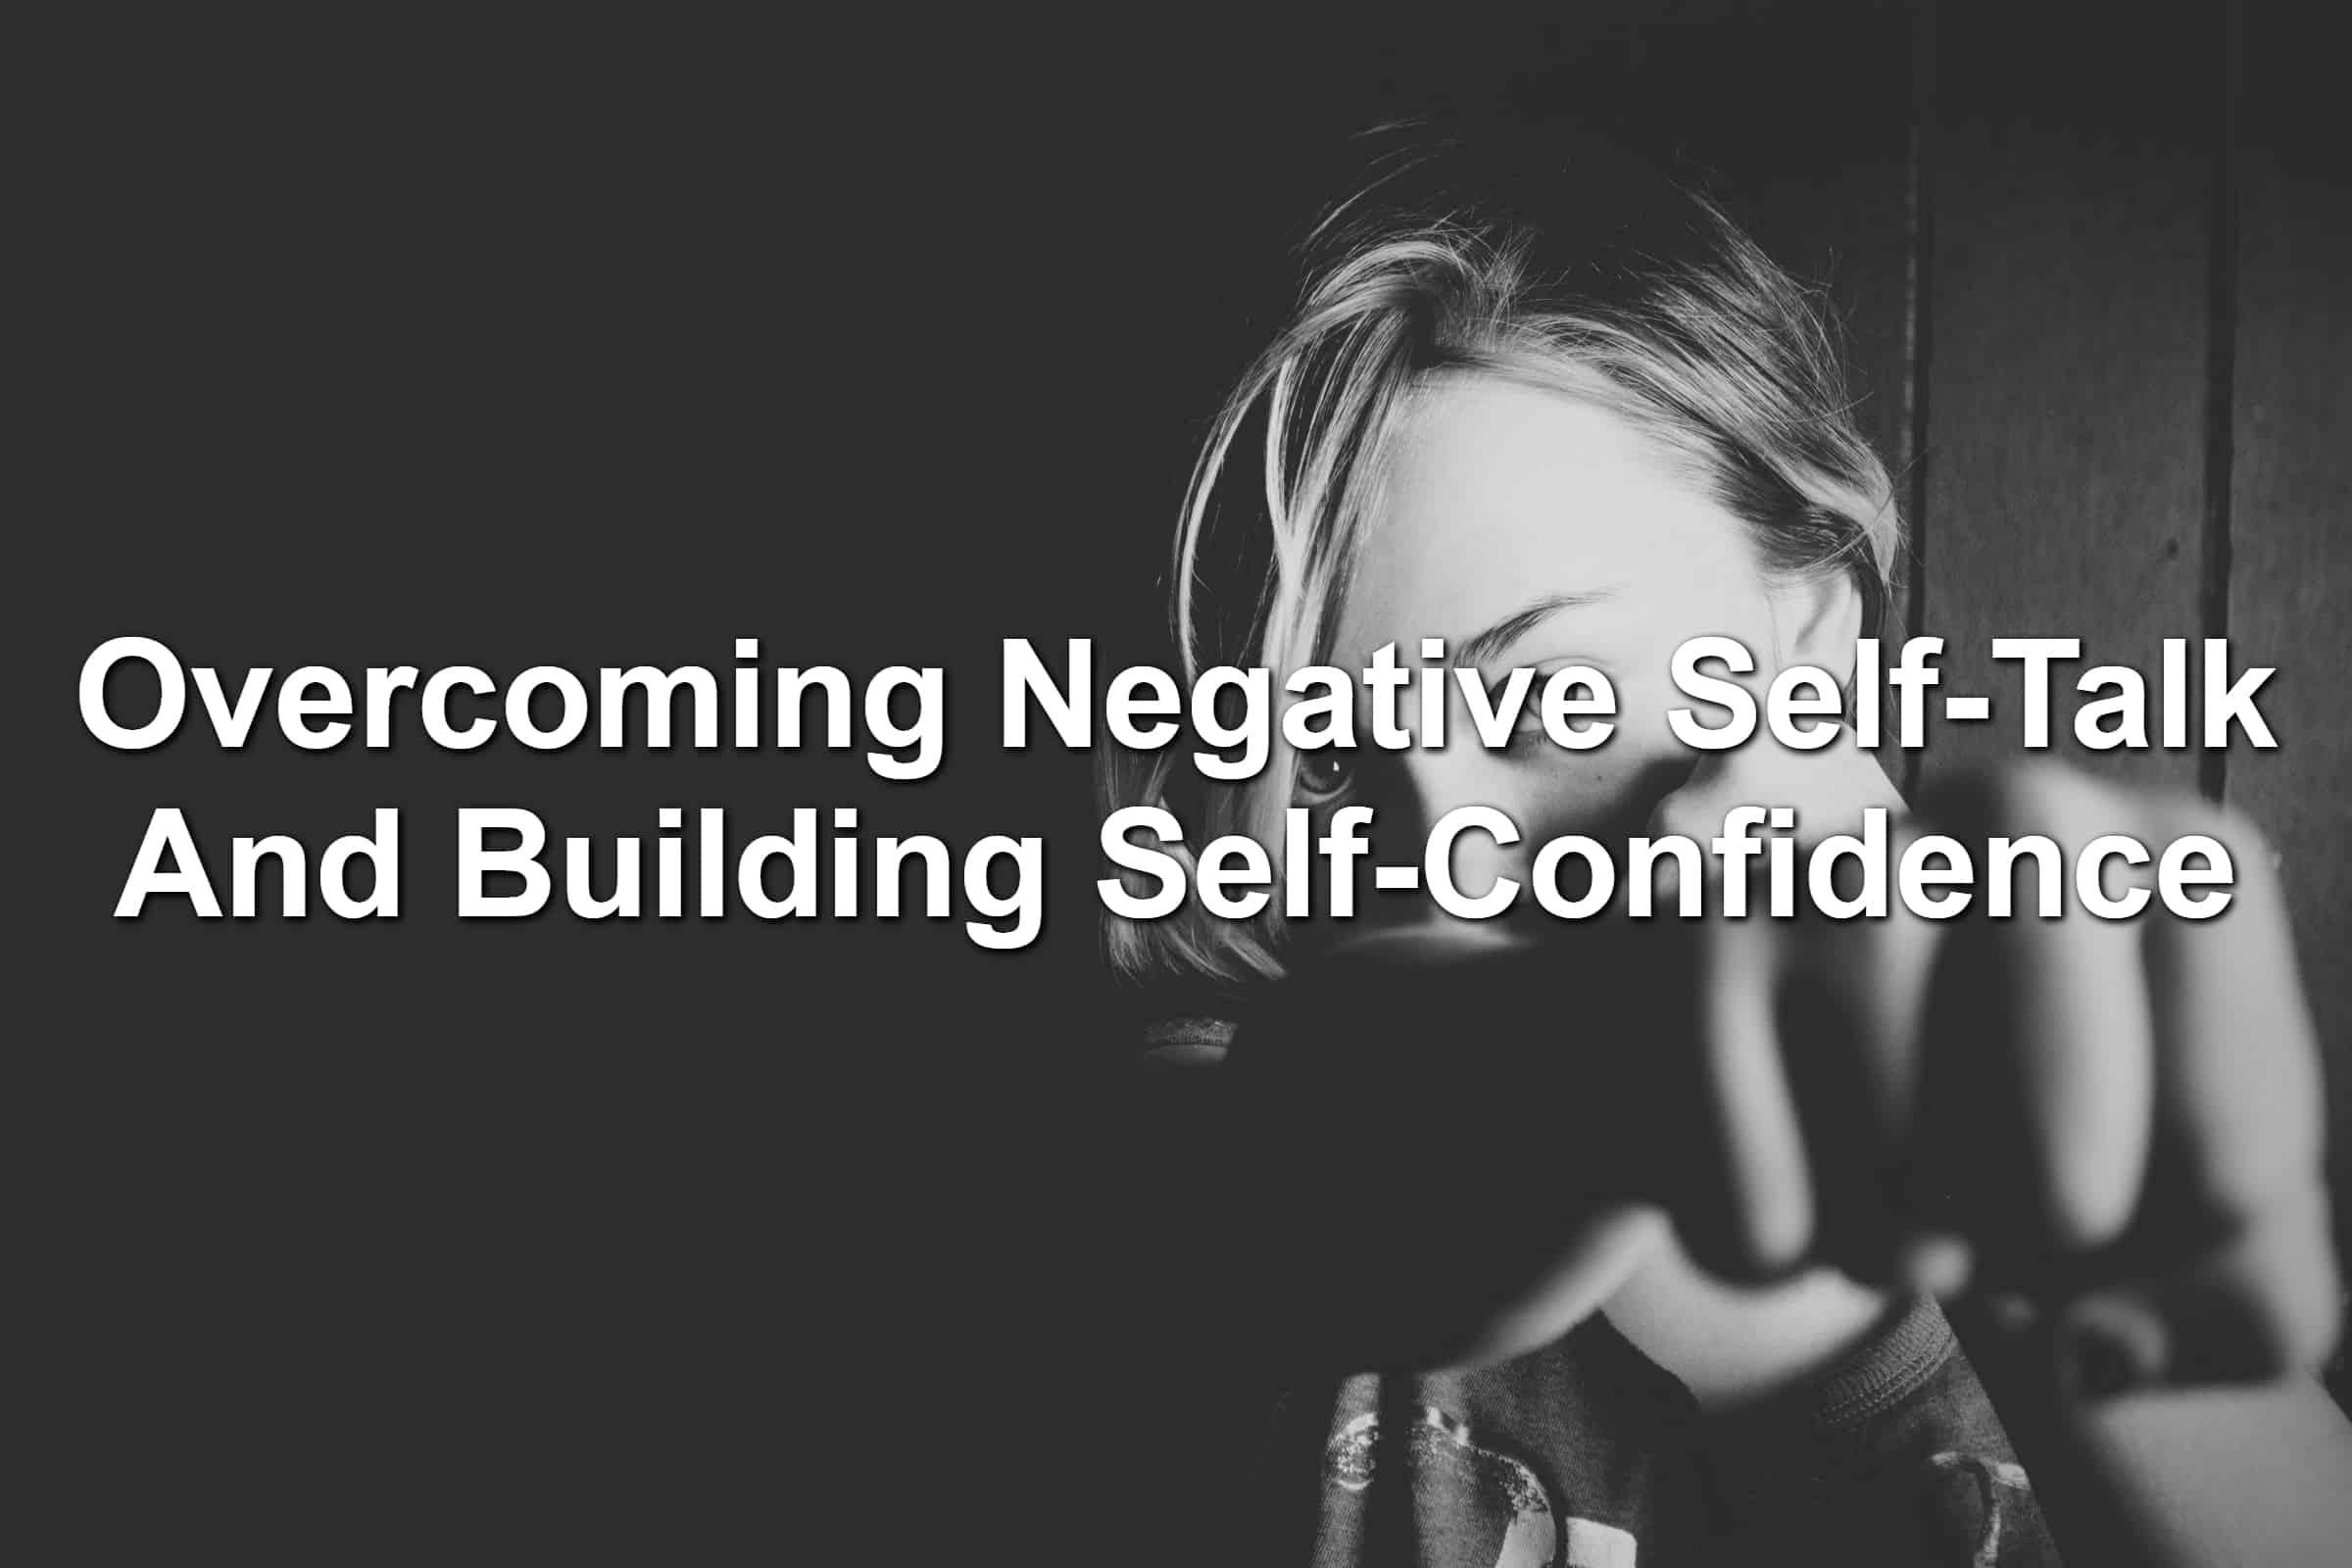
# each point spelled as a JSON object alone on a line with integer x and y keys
{"x": 1454, "y": 1142}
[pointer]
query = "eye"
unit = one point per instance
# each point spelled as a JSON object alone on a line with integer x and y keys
{"x": 1325, "y": 773}
{"x": 1529, "y": 735}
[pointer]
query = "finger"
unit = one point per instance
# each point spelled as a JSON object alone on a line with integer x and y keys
{"x": 1824, "y": 793}
{"x": 1693, "y": 811}
{"x": 1853, "y": 1020}
{"x": 1827, "y": 789}
{"x": 1591, "y": 1264}
{"x": 2239, "y": 1097}
{"x": 2038, "y": 1077}
{"x": 1773, "y": 1082}
{"x": 1747, "y": 1205}
{"x": 2234, "y": 1222}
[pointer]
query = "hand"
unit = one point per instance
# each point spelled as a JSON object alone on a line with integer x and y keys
{"x": 2116, "y": 1125}
{"x": 1465, "y": 1142}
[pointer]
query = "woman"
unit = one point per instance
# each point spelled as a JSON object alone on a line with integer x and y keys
{"x": 1533, "y": 1245}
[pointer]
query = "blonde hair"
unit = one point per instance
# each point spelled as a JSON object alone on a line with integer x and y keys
{"x": 1577, "y": 270}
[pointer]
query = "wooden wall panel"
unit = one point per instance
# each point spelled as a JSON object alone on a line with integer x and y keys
{"x": 2066, "y": 382}
{"x": 2290, "y": 492}
{"x": 1798, "y": 115}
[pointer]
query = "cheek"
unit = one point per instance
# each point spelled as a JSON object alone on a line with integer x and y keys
{"x": 1546, "y": 793}
{"x": 1606, "y": 794}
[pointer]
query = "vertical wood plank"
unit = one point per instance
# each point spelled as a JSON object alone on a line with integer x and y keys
{"x": 2290, "y": 495}
{"x": 2067, "y": 390}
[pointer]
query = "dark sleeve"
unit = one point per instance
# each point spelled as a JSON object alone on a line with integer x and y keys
{"x": 1895, "y": 1455}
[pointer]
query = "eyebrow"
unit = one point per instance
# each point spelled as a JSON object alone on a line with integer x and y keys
{"x": 1481, "y": 648}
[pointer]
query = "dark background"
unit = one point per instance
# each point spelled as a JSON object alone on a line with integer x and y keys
{"x": 881, "y": 342}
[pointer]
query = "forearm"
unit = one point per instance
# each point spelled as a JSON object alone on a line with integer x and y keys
{"x": 2175, "y": 1477}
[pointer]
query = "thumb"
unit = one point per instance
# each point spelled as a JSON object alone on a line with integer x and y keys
{"x": 1828, "y": 788}
{"x": 1697, "y": 804}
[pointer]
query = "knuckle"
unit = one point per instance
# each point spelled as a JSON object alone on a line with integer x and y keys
{"x": 2255, "y": 858}
{"x": 2295, "y": 1328}
{"x": 2313, "y": 1327}
{"x": 2234, "y": 825}
{"x": 2255, "y": 861}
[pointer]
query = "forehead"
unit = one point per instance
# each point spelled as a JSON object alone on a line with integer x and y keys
{"x": 1495, "y": 491}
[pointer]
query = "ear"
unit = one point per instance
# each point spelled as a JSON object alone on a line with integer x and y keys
{"x": 1819, "y": 619}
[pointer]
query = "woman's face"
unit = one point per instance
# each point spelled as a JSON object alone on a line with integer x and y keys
{"x": 1503, "y": 505}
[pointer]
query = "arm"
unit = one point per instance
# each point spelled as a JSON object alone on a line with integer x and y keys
{"x": 2174, "y": 1478}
